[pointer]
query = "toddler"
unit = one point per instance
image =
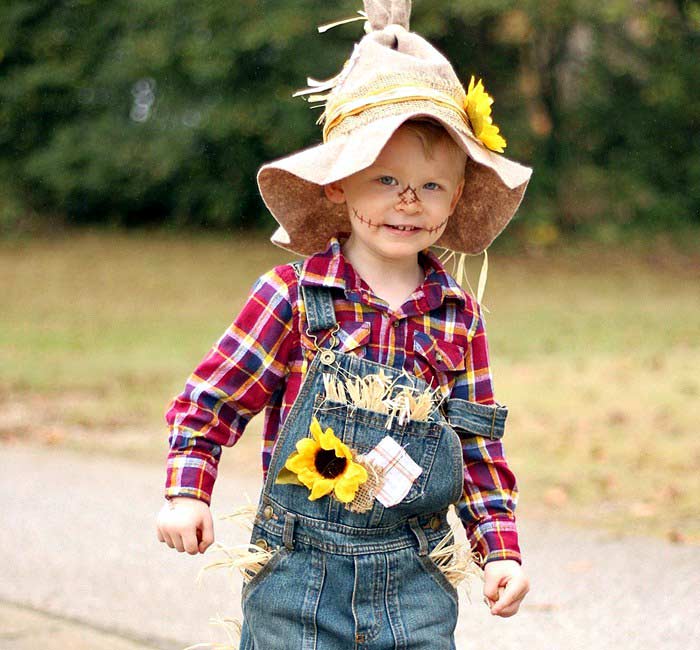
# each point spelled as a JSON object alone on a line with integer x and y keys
{"x": 371, "y": 364}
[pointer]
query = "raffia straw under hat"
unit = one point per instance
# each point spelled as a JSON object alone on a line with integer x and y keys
{"x": 392, "y": 76}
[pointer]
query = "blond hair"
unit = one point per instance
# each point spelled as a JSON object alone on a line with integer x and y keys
{"x": 430, "y": 132}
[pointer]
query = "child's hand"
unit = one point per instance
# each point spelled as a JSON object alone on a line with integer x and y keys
{"x": 186, "y": 524}
{"x": 505, "y": 586}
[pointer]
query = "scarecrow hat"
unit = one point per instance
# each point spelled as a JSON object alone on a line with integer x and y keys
{"x": 392, "y": 76}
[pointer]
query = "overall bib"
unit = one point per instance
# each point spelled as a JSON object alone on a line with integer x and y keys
{"x": 338, "y": 579}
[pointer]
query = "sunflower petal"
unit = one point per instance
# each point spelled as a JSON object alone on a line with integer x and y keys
{"x": 327, "y": 439}
{"x": 348, "y": 483}
{"x": 321, "y": 487}
{"x": 295, "y": 461}
{"x": 477, "y": 105}
{"x": 342, "y": 450}
{"x": 309, "y": 478}
{"x": 315, "y": 429}
{"x": 345, "y": 491}
{"x": 307, "y": 446}
{"x": 355, "y": 472}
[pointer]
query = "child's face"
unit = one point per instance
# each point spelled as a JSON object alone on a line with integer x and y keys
{"x": 401, "y": 203}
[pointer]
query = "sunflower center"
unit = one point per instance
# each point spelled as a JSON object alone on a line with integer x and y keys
{"x": 328, "y": 464}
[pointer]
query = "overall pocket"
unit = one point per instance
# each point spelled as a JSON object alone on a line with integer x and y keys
{"x": 362, "y": 430}
{"x": 278, "y": 554}
{"x": 436, "y": 574}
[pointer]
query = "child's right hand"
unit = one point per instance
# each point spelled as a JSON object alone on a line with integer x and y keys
{"x": 186, "y": 524}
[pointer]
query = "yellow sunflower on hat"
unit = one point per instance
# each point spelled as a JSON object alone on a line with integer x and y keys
{"x": 477, "y": 105}
{"x": 324, "y": 464}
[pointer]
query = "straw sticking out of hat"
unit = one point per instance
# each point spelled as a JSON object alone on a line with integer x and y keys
{"x": 392, "y": 76}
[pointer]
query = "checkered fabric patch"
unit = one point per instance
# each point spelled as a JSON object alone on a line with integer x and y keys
{"x": 399, "y": 471}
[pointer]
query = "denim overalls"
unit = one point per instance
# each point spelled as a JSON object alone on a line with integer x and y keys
{"x": 342, "y": 580}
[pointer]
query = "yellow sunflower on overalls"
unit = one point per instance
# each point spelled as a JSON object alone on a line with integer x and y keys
{"x": 325, "y": 464}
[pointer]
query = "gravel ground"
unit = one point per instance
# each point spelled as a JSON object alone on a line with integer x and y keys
{"x": 82, "y": 559}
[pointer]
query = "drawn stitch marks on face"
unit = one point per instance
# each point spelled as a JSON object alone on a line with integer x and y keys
{"x": 364, "y": 220}
{"x": 372, "y": 224}
{"x": 408, "y": 196}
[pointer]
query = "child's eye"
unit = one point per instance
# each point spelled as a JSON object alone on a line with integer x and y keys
{"x": 431, "y": 186}
{"x": 387, "y": 180}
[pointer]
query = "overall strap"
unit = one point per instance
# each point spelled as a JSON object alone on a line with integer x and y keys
{"x": 318, "y": 303}
{"x": 472, "y": 419}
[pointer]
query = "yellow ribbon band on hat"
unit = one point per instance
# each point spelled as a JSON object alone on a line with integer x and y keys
{"x": 336, "y": 113}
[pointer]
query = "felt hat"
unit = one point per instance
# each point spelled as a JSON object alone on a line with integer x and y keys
{"x": 392, "y": 76}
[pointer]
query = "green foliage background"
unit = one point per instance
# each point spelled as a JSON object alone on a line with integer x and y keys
{"x": 156, "y": 112}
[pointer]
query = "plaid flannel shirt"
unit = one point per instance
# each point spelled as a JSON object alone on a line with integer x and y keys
{"x": 259, "y": 363}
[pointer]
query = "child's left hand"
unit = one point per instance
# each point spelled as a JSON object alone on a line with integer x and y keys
{"x": 505, "y": 586}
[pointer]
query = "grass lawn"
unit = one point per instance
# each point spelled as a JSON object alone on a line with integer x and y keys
{"x": 595, "y": 351}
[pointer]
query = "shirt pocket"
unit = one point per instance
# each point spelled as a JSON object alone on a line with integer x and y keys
{"x": 352, "y": 336}
{"x": 437, "y": 361}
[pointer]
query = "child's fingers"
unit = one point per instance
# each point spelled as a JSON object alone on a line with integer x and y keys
{"x": 189, "y": 541}
{"x": 186, "y": 525}
{"x": 162, "y": 533}
{"x": 509, "y": 599}
{"x": 167, "y": 539}
{"x": 491, "y": 587}
{"x": 176, "y": 539}
{"x": 207, "y": 534}
{"x": 490, "y": 601}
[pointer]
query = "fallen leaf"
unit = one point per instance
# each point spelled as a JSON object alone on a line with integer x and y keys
{"x": 642, "y": 510}
{"x": 541, "y": 607}
{"x": 53, "y": 436}
{"x": 676, "y": 536}
{"x": 556, "y": 496}
{"x": 579, "y": 567}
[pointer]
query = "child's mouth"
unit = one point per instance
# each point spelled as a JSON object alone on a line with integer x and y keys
{"x": 403, "y": 228}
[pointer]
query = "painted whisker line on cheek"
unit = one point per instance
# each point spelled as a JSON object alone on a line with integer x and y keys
{"x": 364, "y": 220}
{"x": 436, "y": 228}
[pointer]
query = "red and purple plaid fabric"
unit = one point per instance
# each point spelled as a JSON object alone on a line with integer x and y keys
{"x": 259, "y": 362}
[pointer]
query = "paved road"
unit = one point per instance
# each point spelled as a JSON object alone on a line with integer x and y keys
{"x": 78, "y": 547}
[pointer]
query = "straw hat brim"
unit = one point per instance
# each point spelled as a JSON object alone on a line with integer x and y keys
{"x": 292, "y": 188}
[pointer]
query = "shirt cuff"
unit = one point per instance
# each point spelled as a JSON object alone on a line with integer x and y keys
{"x": 496, "y": 539}
{"x": 189, "y": 476}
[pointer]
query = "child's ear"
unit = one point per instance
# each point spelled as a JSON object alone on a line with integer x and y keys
{"x": 334, "y": 192}
{"x": 457, "y": 195}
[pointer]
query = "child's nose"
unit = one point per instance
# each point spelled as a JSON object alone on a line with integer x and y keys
{"x": 409, "y": 208}
{"x": 409, "y": 201}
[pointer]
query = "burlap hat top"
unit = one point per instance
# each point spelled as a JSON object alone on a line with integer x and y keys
{"x": 392, "y": 76}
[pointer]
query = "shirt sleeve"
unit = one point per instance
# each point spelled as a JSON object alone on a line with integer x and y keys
{"x": 489, "y": 497}
{"x": 232, "y": 383}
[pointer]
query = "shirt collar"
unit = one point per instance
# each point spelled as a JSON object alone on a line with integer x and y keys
{"x": 330, "y": 269}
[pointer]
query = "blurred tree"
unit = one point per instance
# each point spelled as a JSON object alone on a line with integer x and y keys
{"x": 137, "y": 112}
{"x": 157, "y": 112}
{"x": 639, "y": 114}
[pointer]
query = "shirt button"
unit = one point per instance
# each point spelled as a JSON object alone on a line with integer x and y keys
{"x": 395, "y": 323}
{"x": 261, "y": 543}
{"x": 435, "y": 522}
{"x": 268, "y": 512}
